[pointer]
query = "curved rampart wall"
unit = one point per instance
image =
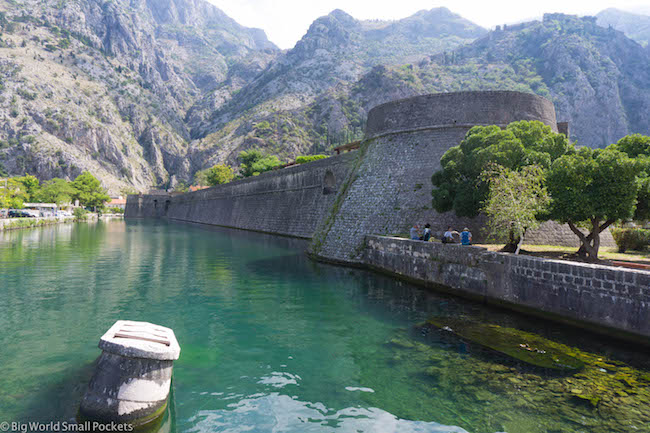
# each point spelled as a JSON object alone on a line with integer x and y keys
{"x": 460, "y": 110}
{"x": 405, "y": 139}
{"x": 291, "y": 201}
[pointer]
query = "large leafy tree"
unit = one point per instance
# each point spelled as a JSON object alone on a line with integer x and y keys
{"x": 89, "y": 191}
{"x": 459, "y": 185}
{"x": 254, "y": 162}
{"x": 592, "y": 189}
{"x": 219, "y": 174}
{"x": 634, "y": 145}
{"x": 57, "y": 191}
{"x": 29, "y": 185}
{"x": 637, "y": 146}
{"x": 515, "y": 200}
{"x": 12, "y": 194}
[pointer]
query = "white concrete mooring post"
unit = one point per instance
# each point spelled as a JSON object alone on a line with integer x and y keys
{"x": 133, "y": 375}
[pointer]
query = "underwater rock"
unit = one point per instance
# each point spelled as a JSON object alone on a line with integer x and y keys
{"x": 529, "y": 348}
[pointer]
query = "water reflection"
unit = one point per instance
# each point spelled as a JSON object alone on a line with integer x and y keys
{"x": 281, "y": 413}
{"x": 274, "y": 342}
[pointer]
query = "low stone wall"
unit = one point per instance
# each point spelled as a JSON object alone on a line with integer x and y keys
{"x": 291, "y": 201}
{"x": 595, "y": 296}
{"x": 21, "y": 223}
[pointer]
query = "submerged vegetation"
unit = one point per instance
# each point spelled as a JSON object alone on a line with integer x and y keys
{"x": 485, "y": 391}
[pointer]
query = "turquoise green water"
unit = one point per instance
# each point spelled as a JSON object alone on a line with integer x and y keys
{"x": 272, "y": 342}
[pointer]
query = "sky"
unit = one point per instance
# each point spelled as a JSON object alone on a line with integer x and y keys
{"x": 286, "y": 21}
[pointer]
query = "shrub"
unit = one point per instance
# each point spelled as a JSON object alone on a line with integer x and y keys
{"x": 309, "y": 158}
{"x": 631, "y": 239}
{"x": 79, "y": 214}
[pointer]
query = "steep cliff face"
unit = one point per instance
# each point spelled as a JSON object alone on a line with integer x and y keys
{"x": 303, "y": 95}
{"x": 105, "y": 86}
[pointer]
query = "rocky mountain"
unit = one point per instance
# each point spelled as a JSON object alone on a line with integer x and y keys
{"x": 105, "y": 85}
{"x": 635, "y": 26}
{"x": 595, "y": 76}
{"x": 147, "y": 92}
{"x": 299, "y": 103}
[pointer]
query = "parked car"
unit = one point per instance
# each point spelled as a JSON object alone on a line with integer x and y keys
{"x": 4, "y": 213}
{"x": 17, "y": 213}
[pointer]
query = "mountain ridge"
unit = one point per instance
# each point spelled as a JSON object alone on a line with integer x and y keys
{"x": 148, "y": 92}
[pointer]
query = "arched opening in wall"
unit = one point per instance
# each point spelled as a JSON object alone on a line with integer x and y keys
{"x": 155, "y": 204}
{"x": 167, "y": 202}
{"x": 329, "y": 183}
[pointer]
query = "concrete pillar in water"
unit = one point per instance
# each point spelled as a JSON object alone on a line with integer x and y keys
{"x": 133, "y": 376}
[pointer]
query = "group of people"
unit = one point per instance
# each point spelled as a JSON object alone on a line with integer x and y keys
{"x": 465, "y": 237}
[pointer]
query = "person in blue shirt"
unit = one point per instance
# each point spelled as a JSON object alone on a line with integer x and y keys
{"x": 466, "y": 237}
{"x": 415, "y": 233}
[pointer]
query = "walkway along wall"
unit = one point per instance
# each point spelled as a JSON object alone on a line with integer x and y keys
{"x": 594, "y": 296}
{"x": 291, "y": 201}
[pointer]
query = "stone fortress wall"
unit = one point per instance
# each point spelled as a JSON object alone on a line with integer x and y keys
{"x": 383, "y": 188}
{"x": 290, "y": 202}
{"x": 405, "y": 139}
{"x": 607, "y": 299}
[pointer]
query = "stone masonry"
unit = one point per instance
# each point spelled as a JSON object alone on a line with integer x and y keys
{"x": 584, "y": 294}
{"x": 391, "y": 186}
{"x": 291, "y": 201}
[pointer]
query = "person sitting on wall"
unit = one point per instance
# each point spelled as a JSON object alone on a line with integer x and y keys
{"x": 466, "y": 237}
{"x": 415, "y": 233}
{"x": 427, "y": 233}
{"x": 448, "y": 236}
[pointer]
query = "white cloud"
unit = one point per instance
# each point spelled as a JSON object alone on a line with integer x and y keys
{"x": 286, "y": 21}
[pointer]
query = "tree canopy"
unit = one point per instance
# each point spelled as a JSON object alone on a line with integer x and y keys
{"x": 637, "y": 146}
{"x": 88, "y": 190}
{"x": 515, "y": 201}
{"x": 57, "y": 191}
{"x": 594, "y": 187}
{"x": 219, "y": 174}
{"x": 254, "y": 162}
{"x": 459, "y": 185}
{"x": 588, "y": 188}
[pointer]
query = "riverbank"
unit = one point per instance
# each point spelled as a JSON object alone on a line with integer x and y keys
{"x": 25, "y": 223}
{"x": 605, "y": 299}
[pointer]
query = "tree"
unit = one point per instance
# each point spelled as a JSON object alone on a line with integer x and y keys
{"x": 29, "y": 185}
{"x": 57, "y": 191}
{"x": 219, "y": 174}
{"x": 201, "y": 177}
{"x": 88, "y": 190}
{"x": 592, "y": 188}
{"x": 515, "y": 201}
{"x": 13, "y": 194}
{"x": 634, "y": 145}
{"x": 637, "y": 146}
{"x": 255, "y": 162}
{"x": 459, "y": 185}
